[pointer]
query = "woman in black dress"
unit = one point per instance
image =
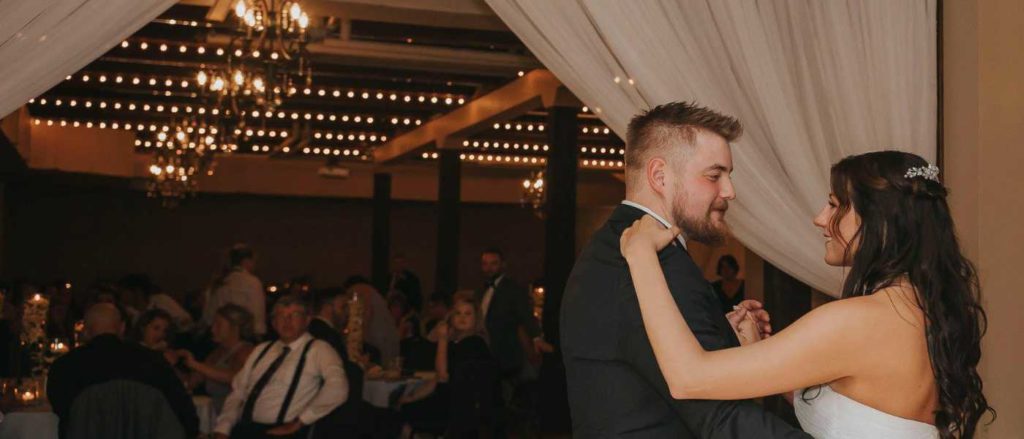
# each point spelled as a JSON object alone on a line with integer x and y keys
{"x": 463, "y": 361}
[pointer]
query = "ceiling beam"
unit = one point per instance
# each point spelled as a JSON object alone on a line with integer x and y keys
{"x": 426, "y": 58}
{"x": 219, "y": 10}
{"x": 419, "y": 13}
{"x": 462, "y": 14}
{"x": 536, "y": 89}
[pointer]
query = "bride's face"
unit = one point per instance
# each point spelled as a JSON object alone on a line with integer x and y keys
{"x": 839, "y": 226}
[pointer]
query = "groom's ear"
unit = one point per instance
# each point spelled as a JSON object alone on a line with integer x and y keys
{"x": 655, "y": 173}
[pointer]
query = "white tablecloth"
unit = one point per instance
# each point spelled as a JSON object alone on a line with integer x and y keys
{"x": 206, "y": 412}
{"x": 29, "y": 425}
{"x": 383, "y": 393}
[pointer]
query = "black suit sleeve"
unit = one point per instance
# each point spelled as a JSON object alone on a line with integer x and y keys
{"x": 704, "y": 418}
{"x": 59, "y": 389}
{"x": 162, "y": 377}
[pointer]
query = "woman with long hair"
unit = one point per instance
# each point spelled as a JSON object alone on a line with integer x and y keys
{"x": 897, "y": 357}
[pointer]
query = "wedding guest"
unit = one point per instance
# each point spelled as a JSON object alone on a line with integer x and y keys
{"x": 232, "y": 329}
{"x": 436, "y": 311}
{"x": 406, "y": 319}
{"x": 285, "y": 385}
{"x": 152, "y": 331}
{"x": 237, "y": 284}
{"x": 729, "y": 288}
{"x": 106, "y": 357}
{"x": 327, "y": 324}
{"x": 461, "y": 343}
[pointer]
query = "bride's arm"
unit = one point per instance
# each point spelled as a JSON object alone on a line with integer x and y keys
{"x": 820, "y": 347}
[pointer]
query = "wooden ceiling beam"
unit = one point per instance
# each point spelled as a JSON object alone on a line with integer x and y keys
{"x": 471, "y": 14}
{"x": 424, "y": 58}
{"x": 219, "y": 10}
{"x": 536, "y": 89}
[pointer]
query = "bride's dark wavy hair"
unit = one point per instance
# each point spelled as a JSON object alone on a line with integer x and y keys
{"x": 906, "y": 230}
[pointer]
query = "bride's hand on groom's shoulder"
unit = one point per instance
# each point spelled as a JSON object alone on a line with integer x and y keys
{"x": 646, "y": 235}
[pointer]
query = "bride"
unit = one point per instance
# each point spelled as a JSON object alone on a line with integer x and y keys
{"x": 896, "y": 357}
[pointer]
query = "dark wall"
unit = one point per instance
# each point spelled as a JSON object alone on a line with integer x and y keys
{"x": 84, "y": 228}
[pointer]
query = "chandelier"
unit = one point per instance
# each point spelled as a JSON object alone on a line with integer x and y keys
{"x": 533, "y": 193}
{"x": 266, "y": 59}
{"x": 183, "y": 154}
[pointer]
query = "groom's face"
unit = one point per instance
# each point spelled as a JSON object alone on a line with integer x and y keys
{"x": 702, "y": 189}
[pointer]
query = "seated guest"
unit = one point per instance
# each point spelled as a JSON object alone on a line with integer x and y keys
{"x": 329, "y": 306}
{"x": 436, "y": 311}
{"x": 285, "y": 385}
{"x": 461, "y": 344}
{"x": 151, "y": 331}
{"x": 105, "y": 357}
{"x": 232, "y": 328}
{"x": 405, "y": 318}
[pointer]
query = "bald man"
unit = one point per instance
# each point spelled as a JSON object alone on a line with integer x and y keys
{"x": 106, "y": 357}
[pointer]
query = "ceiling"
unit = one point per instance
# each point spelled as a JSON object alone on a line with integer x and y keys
{"x": 380, "y": 69}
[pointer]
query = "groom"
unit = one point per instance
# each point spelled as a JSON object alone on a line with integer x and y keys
{"x": 677, "y": 170}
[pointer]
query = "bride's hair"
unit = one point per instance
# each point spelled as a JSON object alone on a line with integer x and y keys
{"x": 907, "y": 231}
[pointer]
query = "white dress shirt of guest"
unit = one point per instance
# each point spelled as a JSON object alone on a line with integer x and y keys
{"x": 321, "y": 386}
{"x": 242, "y": 288}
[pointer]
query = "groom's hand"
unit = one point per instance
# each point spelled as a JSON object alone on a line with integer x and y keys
{"x": 753, "y": 310}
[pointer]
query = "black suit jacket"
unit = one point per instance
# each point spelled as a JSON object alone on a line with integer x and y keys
{"x": 510, "y": 308}
{"x": 615, "y": 386}
{"x": 343, "y": 420}
{"x": 106, "y": 358}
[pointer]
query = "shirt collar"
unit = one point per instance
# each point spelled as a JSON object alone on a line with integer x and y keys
{"x": 661, "y": 220}
{"x": 298, "y": 342}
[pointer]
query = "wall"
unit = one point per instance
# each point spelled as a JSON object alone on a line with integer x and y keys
{"x": 87, "y": 227}
{"x": 984, "y": 124}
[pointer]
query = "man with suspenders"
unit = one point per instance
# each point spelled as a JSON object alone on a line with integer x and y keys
{"x": 286, "y": 384}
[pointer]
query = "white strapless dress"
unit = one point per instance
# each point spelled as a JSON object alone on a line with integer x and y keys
{"x": 831, "y": 415}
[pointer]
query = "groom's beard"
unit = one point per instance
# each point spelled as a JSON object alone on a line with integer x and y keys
{"x": 703, "y": 228}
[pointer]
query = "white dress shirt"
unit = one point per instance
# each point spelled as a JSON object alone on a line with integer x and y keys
{"x": 243, "y": 289}
{"x": 661, "y": 220}
{"x": 485, "y": 302}
{"x": 322, "y": 388}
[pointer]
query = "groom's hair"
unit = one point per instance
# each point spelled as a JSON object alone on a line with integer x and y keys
{"x": 656, "y": 128}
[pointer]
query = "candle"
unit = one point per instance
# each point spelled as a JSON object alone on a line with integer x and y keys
{"x": 28, "y": 396}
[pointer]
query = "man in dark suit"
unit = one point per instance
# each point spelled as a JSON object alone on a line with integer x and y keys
{"x": 107, "y": 357}
{"x": 329, "y": 306}
{"x": 677, "y": 170}
{"x": 507, "y": 308}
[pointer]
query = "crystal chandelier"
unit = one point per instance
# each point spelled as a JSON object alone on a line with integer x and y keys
{"x": 183, "y": 155}
{"x": 266, "y": 59}
{"x": 533, "y": 192}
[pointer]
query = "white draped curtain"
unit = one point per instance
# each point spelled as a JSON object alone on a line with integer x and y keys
{"x": 44, "y": 41}
{"x": 811, "y": 81}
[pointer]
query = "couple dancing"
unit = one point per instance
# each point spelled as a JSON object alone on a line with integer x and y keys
{"x": 648, "y": 353}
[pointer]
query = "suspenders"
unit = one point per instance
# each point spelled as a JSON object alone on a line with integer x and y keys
{"x": 295, "y": 382}
{"x": 295, "y": 379}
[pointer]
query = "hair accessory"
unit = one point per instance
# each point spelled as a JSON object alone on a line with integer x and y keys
{"x": 930, "y": 172}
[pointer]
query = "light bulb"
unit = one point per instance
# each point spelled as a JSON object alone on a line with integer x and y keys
{"x": 240, "y": 9}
